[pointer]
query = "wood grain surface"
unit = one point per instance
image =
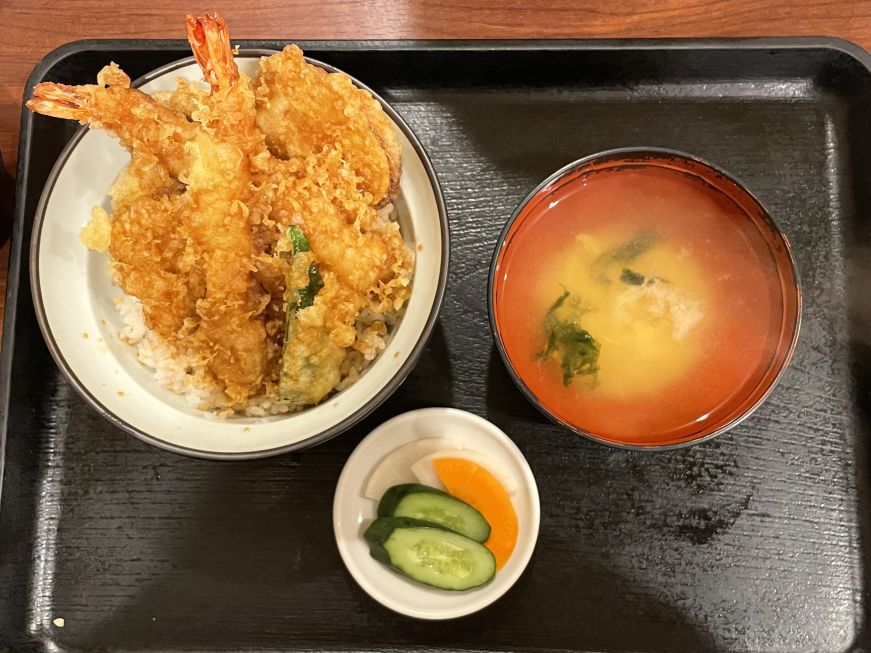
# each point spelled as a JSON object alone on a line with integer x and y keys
{"x": 29, "y": 30}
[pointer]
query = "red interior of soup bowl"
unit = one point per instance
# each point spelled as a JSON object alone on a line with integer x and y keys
{"x": 751, "y": 327}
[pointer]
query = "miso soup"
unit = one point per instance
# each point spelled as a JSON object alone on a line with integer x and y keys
{"x": 638, "y": 304}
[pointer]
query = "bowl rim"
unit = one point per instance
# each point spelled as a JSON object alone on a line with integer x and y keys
{"x": 641, "y": 152}
{"x": 361, "y": 413}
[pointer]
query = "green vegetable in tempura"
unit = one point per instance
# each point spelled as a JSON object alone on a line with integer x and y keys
{"x": 308, "y": 366}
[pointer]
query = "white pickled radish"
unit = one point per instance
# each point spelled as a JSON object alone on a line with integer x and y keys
{"x": 425, "y": 472}
{"x": 395, "y": 467}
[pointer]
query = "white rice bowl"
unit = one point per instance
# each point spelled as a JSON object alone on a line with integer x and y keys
{"x": 98, "y": 337}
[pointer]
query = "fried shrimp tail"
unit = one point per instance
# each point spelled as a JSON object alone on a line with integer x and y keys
{"x": 139, "y": 122}
{"x": 229, "y": 110}
{"x": 75, "y": 102}
{"x": 61, "y": 101}
{"x": 210, "y": 42}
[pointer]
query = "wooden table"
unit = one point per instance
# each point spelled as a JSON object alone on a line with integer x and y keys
{"x": 28, "y": 29}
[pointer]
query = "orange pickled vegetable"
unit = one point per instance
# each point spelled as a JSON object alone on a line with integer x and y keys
{"x": 478, "y": 487}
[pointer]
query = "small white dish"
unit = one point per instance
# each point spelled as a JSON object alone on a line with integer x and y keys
{"x": 352, "y": 512}
{"x": 73, "y": 298}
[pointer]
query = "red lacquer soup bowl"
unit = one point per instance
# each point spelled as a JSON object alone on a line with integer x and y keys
{"x": 644, "y": 298}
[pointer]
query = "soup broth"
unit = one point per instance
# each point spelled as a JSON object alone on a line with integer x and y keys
{"x": 637, "y": 302}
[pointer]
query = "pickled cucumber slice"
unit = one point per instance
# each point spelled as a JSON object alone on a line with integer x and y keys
{"x": 430, "y": 555}
{"x": 434, "y": 506}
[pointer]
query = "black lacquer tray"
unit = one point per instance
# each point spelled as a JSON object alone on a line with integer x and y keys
{"x": 758, "y": 540}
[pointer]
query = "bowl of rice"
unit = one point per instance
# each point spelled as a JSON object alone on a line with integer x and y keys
{"x": 99, "y": 338}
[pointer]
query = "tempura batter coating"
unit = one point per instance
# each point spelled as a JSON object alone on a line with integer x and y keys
{"x": 152, "y": 257}
{"x": 346, "y": 234}
{"x": 301, "y": 109}
{"x": 230, "y": 312}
